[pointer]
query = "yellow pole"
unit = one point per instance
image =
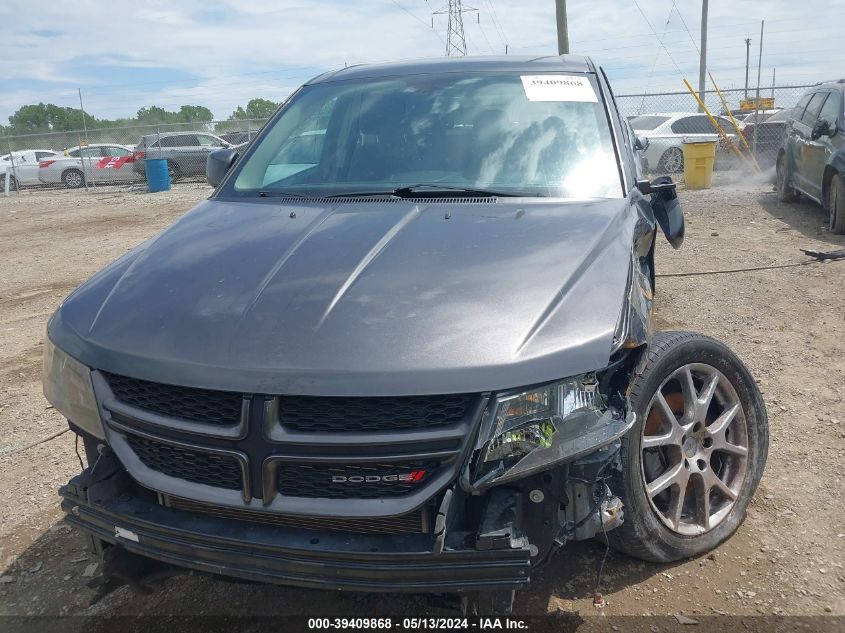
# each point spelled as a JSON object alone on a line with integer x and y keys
{"x": 715, "y": 123}
{"x": 736, "y": 125}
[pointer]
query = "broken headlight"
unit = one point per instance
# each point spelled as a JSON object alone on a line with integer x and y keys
{"x": 67, "y": 386}
{"x": 518, "y": 424}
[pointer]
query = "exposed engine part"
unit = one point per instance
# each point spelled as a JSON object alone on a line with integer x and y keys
{"x": 594, "y": 509}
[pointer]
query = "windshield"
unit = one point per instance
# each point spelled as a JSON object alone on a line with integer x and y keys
{"x": 647, "y": 122}
{"x": 541, "y": 135}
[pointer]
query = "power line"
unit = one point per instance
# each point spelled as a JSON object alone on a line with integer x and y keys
{"x": 659, "y": 41}
{"x": 417, "y": 18}
{"x": 686, "y": 28}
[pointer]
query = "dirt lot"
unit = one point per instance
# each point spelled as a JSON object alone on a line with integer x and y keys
{"x": 787, "y": 324}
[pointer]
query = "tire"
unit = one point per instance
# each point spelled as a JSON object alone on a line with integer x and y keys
{"x": 173, "y": 171}
{"x": 13, "y": 183}
{"x": 672, "y": 161}
{"x": 836, "y": 204}
{"x": 495, "y": 602}
{"x": 679, "y": 531}
{"x": 73, "y": 179}
{"x": 785, "y": 191}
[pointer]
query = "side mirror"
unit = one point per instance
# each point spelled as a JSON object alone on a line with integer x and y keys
{"x": 218, "y": 163}
{"x": 666, "y": 207}
{"x": 822, "y": 128}
{"x": 641, "y": 143}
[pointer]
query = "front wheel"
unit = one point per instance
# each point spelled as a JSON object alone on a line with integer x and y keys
{"x": 695, "y": 455}
{"x": 836, "y": 202}
{"x": 13, "y": 183}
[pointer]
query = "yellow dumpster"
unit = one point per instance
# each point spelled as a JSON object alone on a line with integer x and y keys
{"x": 699, "y": 155}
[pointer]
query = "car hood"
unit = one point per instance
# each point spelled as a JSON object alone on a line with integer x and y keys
{"x": 360, "y": 298}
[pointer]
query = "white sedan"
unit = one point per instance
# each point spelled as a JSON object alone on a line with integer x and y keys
{"x": 95, "y": 163}
{"x": 666, "y": 133}
{"x": 22, "y": 167}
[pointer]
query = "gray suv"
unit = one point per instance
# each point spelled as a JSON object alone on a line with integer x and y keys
{"x": 186, "y": 152}
{"x": 406, "y": 345}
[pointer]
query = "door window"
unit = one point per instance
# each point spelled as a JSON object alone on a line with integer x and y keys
{"x": 113, "y": 150}
{"x": 813, "y": 107}
{"x": 831, "y": 108}
{"x": 90, "y": 152}
{"x": 208, "y": 141}
{"x": 182, "y": 140}
{"x": 799, "y": 108}
{"x": 42, "y": 155}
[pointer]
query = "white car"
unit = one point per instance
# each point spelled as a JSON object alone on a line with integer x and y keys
{"x": 22, "y": 167}
{"x": 666, "y": 133}
{"x": 95, "y": 163}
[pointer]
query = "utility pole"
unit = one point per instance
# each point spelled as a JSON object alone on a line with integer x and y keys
{"x": 747, "y": 60}
{"x": 85, "y": 131}
{"x": 757, "y": 104}
{"x": 562, "y": 28}
{"x": 774, "y": 70}
{"x": 702, "y": 65}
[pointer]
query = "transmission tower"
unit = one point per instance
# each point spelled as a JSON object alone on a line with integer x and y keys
{"x": 456, "y": 44}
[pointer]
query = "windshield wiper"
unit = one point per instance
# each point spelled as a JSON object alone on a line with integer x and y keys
{"x": 423, "y": 189}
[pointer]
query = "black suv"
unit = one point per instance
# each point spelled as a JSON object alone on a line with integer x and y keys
{"x": 812, "y": 158}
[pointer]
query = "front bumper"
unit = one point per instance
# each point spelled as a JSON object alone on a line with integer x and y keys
{"x": 306, "y": 558}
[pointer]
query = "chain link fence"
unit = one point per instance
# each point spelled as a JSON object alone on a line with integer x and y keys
{"x": 114, "y": 156}
{"x": 666, "y": 118}
{"x": 109, "y": 157}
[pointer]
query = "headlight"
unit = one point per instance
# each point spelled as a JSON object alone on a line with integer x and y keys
{"x": 528, "y": 431}
{"x": 67, "y": 386}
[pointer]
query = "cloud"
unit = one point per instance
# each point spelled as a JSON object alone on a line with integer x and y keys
{"x": 221, "y": 54}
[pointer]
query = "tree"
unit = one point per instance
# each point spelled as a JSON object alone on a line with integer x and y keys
{"x": 49, "y": 117}
{"x": 189, "y": 114}
{"x": 255, "y": 109}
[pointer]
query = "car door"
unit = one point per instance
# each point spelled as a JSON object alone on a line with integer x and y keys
{"x": 88, "y": 159}
{"x": 802, "y": 153}
{"x": 818, "y": 151}
{"x": 26, "y": 168}
{"x": 118, "y": 161}
{"x": 791, "y": 140}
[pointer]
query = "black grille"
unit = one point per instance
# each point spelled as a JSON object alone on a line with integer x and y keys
{"x": 316, "y": 480}
{"x": 200, "y": 405}
{"x": 414, "y": 522}
{"x": 198, "y": 467}
{"x": 315, "y": 414}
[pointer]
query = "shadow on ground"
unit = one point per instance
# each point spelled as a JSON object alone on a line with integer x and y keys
{"x": 51, "y": 578}
{"x": 806, "y": 217}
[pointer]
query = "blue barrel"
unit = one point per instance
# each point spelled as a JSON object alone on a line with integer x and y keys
{"x": 158, "y": 178}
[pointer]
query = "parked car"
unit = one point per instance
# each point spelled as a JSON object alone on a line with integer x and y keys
{"x": 417, "y": 355}
{"x": 185, "y": 152}
{"x": 666, "y": 133}
{"x": 811, "y": 161}
{"x": 770, "y": 133}
{"x": 95, "y": 163}
{"x": 22, "y": 167}
{"x": 239, "y": 138}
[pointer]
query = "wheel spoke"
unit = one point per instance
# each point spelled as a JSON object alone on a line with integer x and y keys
{"x": 712, "y": 480}
{"x": 656, "y": 441}
{"x": 706, "y": 397}
{"x": 665, "y": 411}
{"x": 679, "y": 496}
{"x": 668, "y": 478}
{"x": 690, "y": 393}
{"x": 703, "y": 494}
{"x": 717, "y": 432}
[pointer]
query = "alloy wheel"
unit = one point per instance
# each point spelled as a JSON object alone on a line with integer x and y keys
{"x": 73, "y": 179}
{"x": 673, "y": 159}
{"x": 694, "y": 449}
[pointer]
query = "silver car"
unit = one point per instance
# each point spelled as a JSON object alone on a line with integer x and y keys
{"x": 96, "y": 163}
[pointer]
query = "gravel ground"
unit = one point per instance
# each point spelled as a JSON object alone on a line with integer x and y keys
{"x": 786, "y": 324}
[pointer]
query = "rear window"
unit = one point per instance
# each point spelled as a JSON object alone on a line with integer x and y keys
{"x": 647, "y": 122}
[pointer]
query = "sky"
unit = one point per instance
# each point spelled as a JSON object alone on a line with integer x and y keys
{"x": 221, "y": 53}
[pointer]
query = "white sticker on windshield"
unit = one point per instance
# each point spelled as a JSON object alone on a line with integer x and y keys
{"x": 558, "y": 88}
